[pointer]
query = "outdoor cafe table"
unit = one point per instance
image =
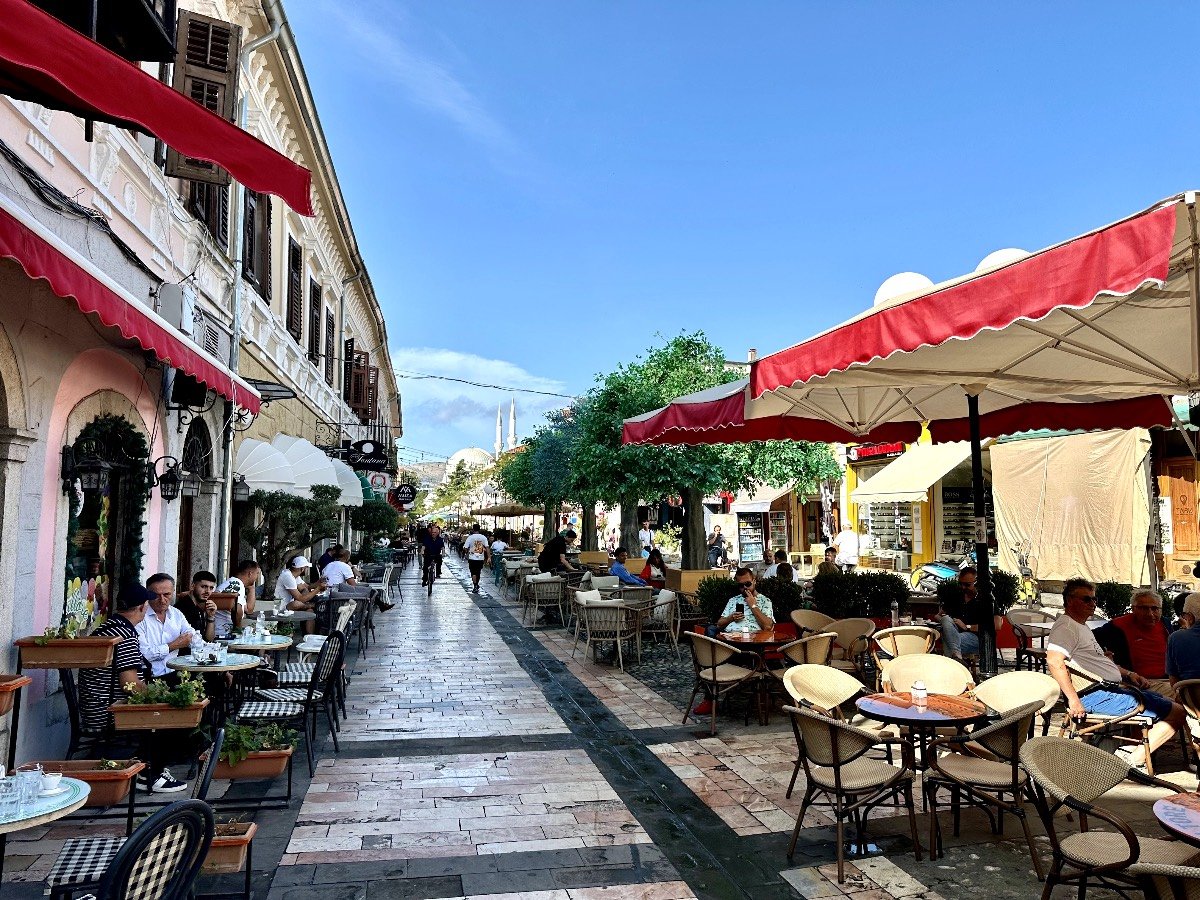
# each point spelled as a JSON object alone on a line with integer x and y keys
{"x": 940, "y": 711}
{"x": 1179, "y": 815}
{"x": 46, "y": 810}
{"x": 294, "y": 615}
{"x": 759, "y": 642}
{"x": 234, "y": 662}
{"x": 271, "y": 643}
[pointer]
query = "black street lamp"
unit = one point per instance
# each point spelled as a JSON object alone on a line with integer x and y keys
{"x": 241, "y": 490}
{"x": 90, "y": 470}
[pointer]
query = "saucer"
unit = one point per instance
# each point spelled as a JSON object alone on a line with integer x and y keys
{"x": 61, "y": 789}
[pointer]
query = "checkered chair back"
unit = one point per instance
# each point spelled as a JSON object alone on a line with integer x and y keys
{"x": 161, "y": 859}
{"x": 200, "y": 790}
{"x": 329, "y": 661}
{"x": 1064, "y": 768}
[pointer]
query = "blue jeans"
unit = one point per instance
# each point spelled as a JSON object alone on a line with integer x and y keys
{"x": 955, "y": 643}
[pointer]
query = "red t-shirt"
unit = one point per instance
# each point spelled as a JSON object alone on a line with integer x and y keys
{"x": 1147, "y": 647}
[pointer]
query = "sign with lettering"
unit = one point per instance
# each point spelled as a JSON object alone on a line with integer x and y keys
{"x": 875, "y": 451}
{"x": 405, "y": 493}
{"x": 371, "y": 456}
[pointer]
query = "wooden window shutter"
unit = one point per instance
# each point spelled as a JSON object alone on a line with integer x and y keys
{"x": 295, "y": 290}
{"x": 315, "y": 315}
{"x": 329, "y": 348}
{"x": 347, "y": 368}
{"x": 359, "y": 398}
{"x": 209, "y": 203}
{"x": 372, "y": 404}
{"x": 256, "y": 242}
{"x": 206, "y": 59}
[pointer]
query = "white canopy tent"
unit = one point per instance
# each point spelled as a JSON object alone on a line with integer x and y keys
{"x": 263, "y": 467}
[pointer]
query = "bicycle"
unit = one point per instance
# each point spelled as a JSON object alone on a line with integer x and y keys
{"x": 431, "y": 569}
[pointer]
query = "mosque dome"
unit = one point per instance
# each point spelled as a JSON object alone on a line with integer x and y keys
{"x": 473, "y": 457}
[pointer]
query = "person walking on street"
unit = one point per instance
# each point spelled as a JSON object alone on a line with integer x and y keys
{"x": 476, "y": 548}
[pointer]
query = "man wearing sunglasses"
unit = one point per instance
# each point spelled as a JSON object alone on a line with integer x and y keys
{"x": 1070, "y": 639}
{"x": 748, "y": 610}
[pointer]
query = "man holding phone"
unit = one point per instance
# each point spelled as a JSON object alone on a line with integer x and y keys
{"x": 749, "y": 610}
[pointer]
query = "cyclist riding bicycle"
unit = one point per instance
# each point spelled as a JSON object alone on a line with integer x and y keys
{"x": 433, "y": 547}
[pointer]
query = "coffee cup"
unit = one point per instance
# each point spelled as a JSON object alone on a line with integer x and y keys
{"x": 51, "y": 780}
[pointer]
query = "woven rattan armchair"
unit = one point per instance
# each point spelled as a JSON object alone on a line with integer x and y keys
{"x": 1161, "y": 882}
{"x": 662, "y": 618}
{"x": 809, "y": 620}
{"x": 1187, "y": 695}
{"x": 608, "y": 620}
{"x": 836, "y": 766}
{"x": 1096, "y": 725}
{"x": 853, "y": 642}
{"x": 1012, "y": 689}
{"x": 542, "y": 593}
{"x": 941, "y": 674}
{"x": 986, "y": 783}
{"x": 717, "y": 677}
{"x": 1070, "y": 775}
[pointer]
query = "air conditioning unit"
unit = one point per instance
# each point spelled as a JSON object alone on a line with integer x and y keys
{"x": 177, "y": 304}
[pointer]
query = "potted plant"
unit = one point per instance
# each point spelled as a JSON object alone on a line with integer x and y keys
{"x": 254, "y": 751}
{"x": 230, "y": 843}
{"x": 159, "y": 705}
{"x": 67, "y": 646}
{"x": 9, "y": 685}
{"x": 224, "y": 599}
{"x": 109, "y": 779}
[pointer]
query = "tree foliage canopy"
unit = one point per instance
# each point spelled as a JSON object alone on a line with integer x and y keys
{"x": 287, "y": 524}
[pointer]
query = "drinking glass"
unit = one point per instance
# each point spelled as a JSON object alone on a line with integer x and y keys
{"x": 29, "y": 783}
{"x": 10, "y": 799}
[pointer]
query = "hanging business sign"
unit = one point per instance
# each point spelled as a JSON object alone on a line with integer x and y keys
{"x": 862, "y": 452}
{"x": 405, "y": 494}
{"x": 381, "y": 482}
{"x": 370, "y": 456}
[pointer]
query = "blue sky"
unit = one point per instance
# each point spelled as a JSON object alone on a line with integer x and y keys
{"x": 539, "y": 187}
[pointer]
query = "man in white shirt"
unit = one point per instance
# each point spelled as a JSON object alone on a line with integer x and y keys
{"x": 646, "y": 539}
{"x": 847, "y": 548}
{"x": 241, "y": 583}
{"x": 1071, "y": 640}
{"x": 773, "y": 569}
{"x": 164, "y": 631}
{"x": 338, "y": 571}
{"x": 476, "y": 548}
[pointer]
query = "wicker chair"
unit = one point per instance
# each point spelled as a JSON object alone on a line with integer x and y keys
{"x": 1161, "y": 882}
{"x": 608, "y": 620}
{"x": 539, "y": 593}
{"x": 853, "y": 637}
{"x": 900, "y": 640}
{"x": 1012, "y": 689}
{"x": 578, "y": 599}
{"x": 984, "y": 782}
{"x": 809, "y": 620}
{"x": 941, "y": 674}
{"x": 833, "y": 754}
{"x": 1072, "y": 775}
{"x": 815, "y": 649}
{"x": 1096, "y": 725}
{"x": 717, "y": 677}
{"x": 1028, "y": 656}
{"x": 662, "y": 618}
{"x": 1187, "y": 695}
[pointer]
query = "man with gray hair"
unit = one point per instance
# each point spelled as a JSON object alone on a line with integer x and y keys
{"x": 1138, "y": 641}
{"x": 1183, "y": 647}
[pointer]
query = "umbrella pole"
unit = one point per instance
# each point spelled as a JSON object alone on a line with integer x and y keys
{"x": 987, "y": 628}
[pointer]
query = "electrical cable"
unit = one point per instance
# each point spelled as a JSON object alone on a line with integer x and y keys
{"x": 422, "y": 376}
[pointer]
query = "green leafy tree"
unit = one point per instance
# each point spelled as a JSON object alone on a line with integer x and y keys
{"x": 539, "y": 473}
{"x": 286, "y": 525}
{"x": 375, "y": 519}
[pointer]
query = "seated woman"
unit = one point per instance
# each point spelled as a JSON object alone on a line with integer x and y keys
{"x": 654, "y": 573}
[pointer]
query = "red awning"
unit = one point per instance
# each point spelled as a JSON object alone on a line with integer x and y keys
{"x": 43, "y": 256}
{"x": 45, "y": 61}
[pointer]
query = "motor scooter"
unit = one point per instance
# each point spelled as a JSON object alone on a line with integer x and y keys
{"x": 928, "y": 576}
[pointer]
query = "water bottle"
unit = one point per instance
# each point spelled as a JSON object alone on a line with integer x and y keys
{"x": 920, "y": 696}
{"x": 895, "y": 613}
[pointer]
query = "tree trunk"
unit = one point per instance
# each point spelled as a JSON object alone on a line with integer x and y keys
{"x": 588, "y": 523}
{"x": 694, "y": 550}
{"x": 630, "y": 525}
{"x": 549, "y": 522}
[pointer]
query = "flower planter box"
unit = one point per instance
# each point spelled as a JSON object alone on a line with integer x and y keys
{"x": 227, "y": 852}
{"x": 257, "y": 764}
{"x": 9, "y": 685}
{"x": 154, "y": 716}
{"x": 224, "y": 600}
{"x": 66, "y": 653}
{"x": 109, "y": 786}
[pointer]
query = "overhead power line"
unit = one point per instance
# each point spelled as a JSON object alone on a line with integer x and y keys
{"x": 422, "y": 376}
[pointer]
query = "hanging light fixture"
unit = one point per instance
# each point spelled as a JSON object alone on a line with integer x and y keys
{"x": 171, "y": 479}
{"x": 190, "y": 484}
{"x": 241, "y": 490}
{"x": 90, "y": 470}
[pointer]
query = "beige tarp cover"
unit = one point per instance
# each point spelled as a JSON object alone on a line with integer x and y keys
{"x": 758, "y": 502}
{"x": 1079, "y": 500}
{"x": 908, "y": 477}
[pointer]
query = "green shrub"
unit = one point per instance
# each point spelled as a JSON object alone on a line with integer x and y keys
{"x": 1114, "y": 598}
{"x": 848, "y": 595}
{"x": 713, "y": 592}
{"x": 785, "y": 596}
{"x": 1005, "y": 589}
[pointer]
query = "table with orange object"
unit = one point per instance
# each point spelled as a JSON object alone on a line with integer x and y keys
{"x": 760, "y": 643}
{"x": 939, "y": 711}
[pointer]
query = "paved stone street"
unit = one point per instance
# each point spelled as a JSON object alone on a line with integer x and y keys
{"x": 481, "y": 760}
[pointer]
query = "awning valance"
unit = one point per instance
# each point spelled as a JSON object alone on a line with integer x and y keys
{"x": 758, "y": 502}
{"x": 70, "y": 275}
{"x": 907, "y": 478}
{"x": 263, "y": 467}
{"x": 309, "y": 465}
{"x": 48, "y": 62}
{"x": 351, "y": 489}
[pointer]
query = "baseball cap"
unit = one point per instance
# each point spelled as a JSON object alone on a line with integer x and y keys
{"x": 298, "y": 562}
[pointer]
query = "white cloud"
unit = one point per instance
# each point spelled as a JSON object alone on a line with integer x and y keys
{"x": 443, "y": 416}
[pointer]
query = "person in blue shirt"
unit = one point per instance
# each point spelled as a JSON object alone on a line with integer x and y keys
{"x": 434, "y": 546}
{"x": 618, "y": 569}
{"x": 1183, "y": 646}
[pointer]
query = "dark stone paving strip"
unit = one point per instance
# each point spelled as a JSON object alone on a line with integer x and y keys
{"x": 707, "y": 854}
{"x": 446, "y": 746}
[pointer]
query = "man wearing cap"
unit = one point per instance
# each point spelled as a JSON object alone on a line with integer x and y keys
{"x": 291, "y": 588}
{"x": 1183, "y": 647}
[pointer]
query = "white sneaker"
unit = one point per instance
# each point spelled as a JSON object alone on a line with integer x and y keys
{"x": 165, "y": 784}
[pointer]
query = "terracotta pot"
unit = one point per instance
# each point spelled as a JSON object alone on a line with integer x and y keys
{"x": 224, "y": 601}
{"x": 156, "y": 716}
{"x": 257, "y": 764}
{"x": 9, "y": 685}
{"x": 66, "y": 653}
{"x": 227, "y": 852}
{"x": 109, "y": 786}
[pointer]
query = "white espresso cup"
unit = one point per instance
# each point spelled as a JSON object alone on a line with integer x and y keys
{"x": 50, "y": 780}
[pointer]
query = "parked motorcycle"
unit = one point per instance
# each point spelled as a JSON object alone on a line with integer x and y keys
{"x": 1028, "y": 590}
{"x": 928, "y": 576}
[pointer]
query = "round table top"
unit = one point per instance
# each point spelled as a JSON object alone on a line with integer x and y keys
{"x": 48, "y": 809}
{"x": 294, "y": 615}
{"x": 762, "y": 637}
{"x": 939, "y": 711}
{"x": 234, "y": 662}
{"x": 270, "y": 642}
{"x": 1179, "y": 815}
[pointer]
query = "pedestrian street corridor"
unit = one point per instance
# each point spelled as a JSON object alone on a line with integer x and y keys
{"x": 480, "y": 760}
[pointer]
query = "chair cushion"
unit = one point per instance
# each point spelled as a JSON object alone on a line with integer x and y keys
{"x": 586, "y": 598}
{"x": 1096, "y": 848}
{"x": 259, "y": 709}
{"x": 861, "y": 775}
{"x": 83, "y": 860}
{"x": 973, "y": 770}
{"x": 726, "y": 673}
{"x": 542, "y": 576}
{"x": 286, "y": 694}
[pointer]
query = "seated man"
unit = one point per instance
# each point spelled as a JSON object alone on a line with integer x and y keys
{"x": 243, "y": 584}
{"x": 98, "y": 690}
{"x": 164, "y": 630}
{"x": 829, "y": 566}
{"x": 968, "y": 618}
{"x": 1183, "y": 647}
{"x": 618, "y": 568}
{"x": 762, "y": 614}
{"x": 1138, "y": 641}
{"x": 198, "y": 607}
{"x": 773, "y": 568}
{"x": 1070, "y": 639}
{"x": 338, "y": 571}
